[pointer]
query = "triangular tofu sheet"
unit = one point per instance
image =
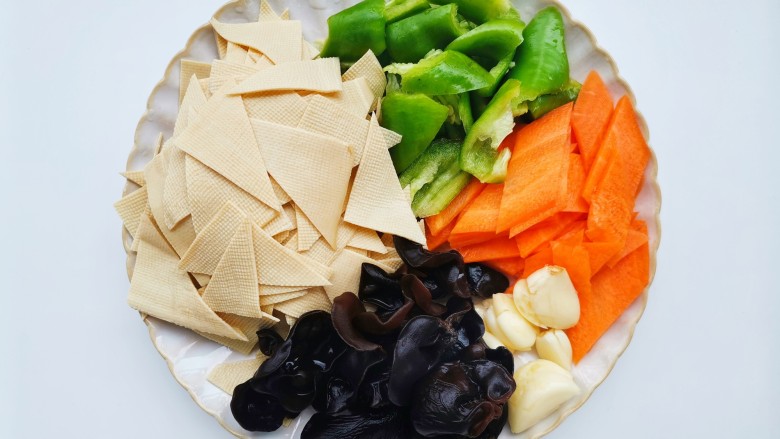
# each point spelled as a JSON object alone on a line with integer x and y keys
{"x": 346, "y": 267}
{"x": 194, "y": 100}
{"x": 208, "y": 191}
{"x": 366, "y": 239}
{"x": 267, "y": 12}
{"x": 314, "y": 299}
{"x": 377, "y": 200}
{"x": 319, "y": 193}
{"x": 307, "y": 232}
{"x": 327, "y": 117}
{"x": 227, "y": 376}
{"x": 136, "y": 177}
{"x": 320, "y": 75}
{"x": 357, "y": 97}
{"x": 234, "y": 54}
{"x": 223, "y": 72}
{"x": 279, "y": 298}
{"x": 130, "y": 208}
{"x": 222, "y": 139}
{"x": 282, "y": 107}
{"x": 278, "y": 265}
{"x": 368, "y": 67}
{"x": 279, "y": 40}
{"x": 177, "y": 206}
{"x": 182, "y": 236}
{"x": 190, "y": 69}
{"x": 245, "y": 325}
{"x": 210, "y": 245}
{"x": 233, "y": 287}
{"x": 163, "y": 290}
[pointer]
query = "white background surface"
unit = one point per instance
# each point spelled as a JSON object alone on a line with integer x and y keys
{"x": 75, "y": 361}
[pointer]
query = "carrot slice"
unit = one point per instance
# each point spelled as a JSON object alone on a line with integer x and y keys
{"x": 601, "y": 252}
{"x": 574, "y": 234}
{"x": 436, "y": 241}
{"x": 535, "y": 186}
{"x": 482, "y": 214}
{"x": 574, "y": 258}
{"x": 538, "y": 260}
{"x": 498, "y": 248}
{"x": 466, "y": 239}
{"x": 439, "y": 222}
{"x": 575, "y": 182}
{"x": 512, "y": 267}
{"x": 590, "y": 116}
{"x": 612, "y": 204}
{"x": 637, "y": 237}
{"x": 530, "y": 240}
{"x": 613, "y": 291}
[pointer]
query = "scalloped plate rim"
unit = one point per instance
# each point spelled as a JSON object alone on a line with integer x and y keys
{"x": 651, "y": 172}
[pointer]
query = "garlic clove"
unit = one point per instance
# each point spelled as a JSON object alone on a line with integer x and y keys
{"x": 542, "y": 387}
{"x": 519, "y": 334}
{"x": 548, "y": 298}
{"x": 554, "y": 345}
{"x": 491, "y": 340}
{"x": 491, "y": 324}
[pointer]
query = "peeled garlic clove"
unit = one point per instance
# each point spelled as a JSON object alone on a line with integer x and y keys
{"x": 542, "y": 387}
{"x": 519, "y": 334}
{"x": 491, "y": 324}
{"x": 548, "y": 298}
{"x": 554, "y": 345}
{"x": 491, "y": 341}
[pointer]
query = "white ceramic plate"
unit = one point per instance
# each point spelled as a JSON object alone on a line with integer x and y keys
{"x": 190, "y": 357}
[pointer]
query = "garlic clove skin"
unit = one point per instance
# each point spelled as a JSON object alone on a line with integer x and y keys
{"x": 548, "y": 298}
{"x": 542, "y": 387}
{"x": 554, "y": 345}
{"x": 491, "y": 341}
{"x": 519, "y": 334}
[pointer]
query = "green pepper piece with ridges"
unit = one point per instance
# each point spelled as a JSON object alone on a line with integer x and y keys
{"x": 464, "y": 112}
{"x": 442, "y": 73}
{"x": 497, "y": 73}
{"x": 541, "y": 64}
{"x": 493, "y": 41}
{"x": 355, "y": 30}
{"x": 547, "y": 103}
{"x": 435, "y": 178}
{"x": 399, "y": 9}
{"x": 410, "y": 39}
{"x": 480, "y": 156}
{"x": 480, "y": 11}
{"x": 417, "y": 118}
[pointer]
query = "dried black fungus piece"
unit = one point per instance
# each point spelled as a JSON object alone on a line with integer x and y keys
{"x": 485, "y": 281}
{"x": 380, "y": 288}
{"x": 340, "y": 387}
{"x": 270, "y": 341}
{"x": 414, "y": 289}
{"x": 446, "y": 269}
{"x": 287, "y": 382}
{"x": 461, "y": 399}
{"x": 257, "y": 411}
{"x": 355, "y": 325}
{"x": 427, "y": 341}
{"x": 390, "y": 423}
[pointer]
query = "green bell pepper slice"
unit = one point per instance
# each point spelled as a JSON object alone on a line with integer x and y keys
{"x": 480, "y": 11}
{"x": 547, "y": 103}
{"x": 435, "y": 178}
{"x": 541, "y": 64}
{"x": 480, "y": 156}
{"x": 442, "y": 73}
{"x": 410, "y": 39}
{"x": 498, "y": 72}
{"x": 399, "y": 9}
{"x": 355, "y": 30}
{"x": 493, "y": 41}
{"x": 464, "y": 112}
{"x": 417, "y": 118}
